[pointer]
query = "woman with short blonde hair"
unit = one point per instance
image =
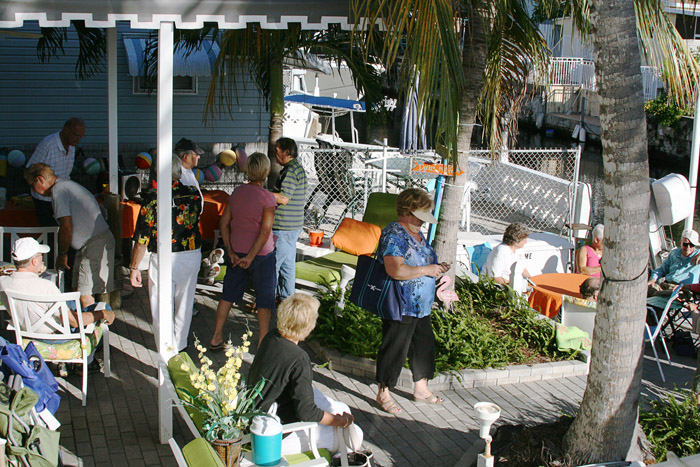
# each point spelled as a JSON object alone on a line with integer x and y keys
{"x": 246, "y": 230}
{"x": 288, "y": 377}
{"x": 297, "y": 315}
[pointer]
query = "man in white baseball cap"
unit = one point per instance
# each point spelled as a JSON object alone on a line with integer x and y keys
{"x": 27, "y": 254}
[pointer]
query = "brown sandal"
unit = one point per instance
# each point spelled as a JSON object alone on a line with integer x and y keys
{"x": 389, "y": 406}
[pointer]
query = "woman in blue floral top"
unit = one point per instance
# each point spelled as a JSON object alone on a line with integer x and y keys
{"x": 186, "y": 258}
{"x": 410, "y": 260}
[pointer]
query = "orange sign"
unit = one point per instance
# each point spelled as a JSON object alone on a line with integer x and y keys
{"x": 438, "y": 169}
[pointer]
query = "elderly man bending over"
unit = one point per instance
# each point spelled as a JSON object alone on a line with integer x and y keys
{"x": 678, "y": 267}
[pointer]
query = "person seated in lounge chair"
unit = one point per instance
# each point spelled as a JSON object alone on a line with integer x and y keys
{"x": 287, "y": 371}
{"x": 678, "y": 268}
{"x": 27, "y": 254}
{"x": 498, "y": 264}
{"x": 588, "y": 256}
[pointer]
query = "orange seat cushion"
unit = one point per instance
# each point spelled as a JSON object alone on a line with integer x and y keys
{"x": 356, "y": 237}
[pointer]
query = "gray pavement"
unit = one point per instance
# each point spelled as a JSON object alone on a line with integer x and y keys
{"x": 119, "y": 426}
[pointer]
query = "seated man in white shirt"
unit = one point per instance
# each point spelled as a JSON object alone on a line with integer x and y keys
{"x": 27, "y": 254}
{"x": 498, "y": 264}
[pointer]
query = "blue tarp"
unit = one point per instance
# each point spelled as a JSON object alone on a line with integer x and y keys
{"x": 327, "y": 102}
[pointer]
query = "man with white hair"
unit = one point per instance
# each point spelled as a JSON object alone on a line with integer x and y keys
{"x": 679, "y": 267}
{"x": 588, "y": 256}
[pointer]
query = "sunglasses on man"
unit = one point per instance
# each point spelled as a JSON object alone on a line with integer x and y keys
{"x": 688, "y": 245}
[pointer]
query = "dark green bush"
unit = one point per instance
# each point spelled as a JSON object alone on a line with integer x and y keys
{"x": 665, "y": 112}
{"x": 673, "y": 426}
{"x": 491, "y": 327}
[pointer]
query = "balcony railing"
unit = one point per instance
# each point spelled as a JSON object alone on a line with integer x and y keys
{"x": 580, "y": 72}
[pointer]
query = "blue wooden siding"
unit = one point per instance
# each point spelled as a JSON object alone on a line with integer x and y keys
{"x": 36, "y": 98}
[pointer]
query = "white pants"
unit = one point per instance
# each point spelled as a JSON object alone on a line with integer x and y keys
{"x": 185, "y": 267}
{"x": 325, "y": 435}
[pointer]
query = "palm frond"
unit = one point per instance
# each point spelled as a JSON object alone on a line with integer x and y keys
{"x": 665, "y": 49}
{"x": 92, "y": 48}
{"x": 516, "y": 47}
{"x": 420, "y": 37}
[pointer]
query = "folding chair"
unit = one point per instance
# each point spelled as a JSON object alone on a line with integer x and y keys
{"x": 653, "y": 332}
{"x": 60, "y": 343}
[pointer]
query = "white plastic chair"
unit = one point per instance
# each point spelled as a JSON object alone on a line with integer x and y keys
{"x": 651, "y": 333}
{"x": 43, "y": 235}
{"x": 577, "y": 314}
{"x": 56, "y": 317}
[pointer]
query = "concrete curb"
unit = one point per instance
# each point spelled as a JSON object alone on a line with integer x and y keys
{"x": 365, "y": 368}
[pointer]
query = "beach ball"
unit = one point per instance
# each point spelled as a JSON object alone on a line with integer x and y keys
{"x": 227, "y": 157}
{"x": 143, "y": 160}
{"x": 16, "y": 158}
{"x": 242, "y": 157}
{"x": 199, "y": 175}
{"x": 212, "y": 173}
{"x": 91, "y": 166}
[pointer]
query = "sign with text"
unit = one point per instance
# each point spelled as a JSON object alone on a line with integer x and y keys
{"x": 439, "y": 169}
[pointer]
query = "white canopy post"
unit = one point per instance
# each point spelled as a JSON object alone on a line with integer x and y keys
{"x": 165, "y": 197}
{"x": 694, "y": 156}
{"x": 112, "y": 110}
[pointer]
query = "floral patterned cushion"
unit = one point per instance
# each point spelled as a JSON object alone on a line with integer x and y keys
{"x": 70, "y": 350}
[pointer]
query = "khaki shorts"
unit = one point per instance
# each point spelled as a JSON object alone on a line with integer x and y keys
{"x": 93, "y": 266}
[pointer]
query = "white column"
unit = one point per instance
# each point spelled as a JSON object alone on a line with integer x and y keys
{"x": 112, "y": 109}
{"x": 165, "y": 274}
{"x": 694, "y": 156}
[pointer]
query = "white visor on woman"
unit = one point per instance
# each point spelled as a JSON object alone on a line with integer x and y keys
{"x": 425, "y": 216}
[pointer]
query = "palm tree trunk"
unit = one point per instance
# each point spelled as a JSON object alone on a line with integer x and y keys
{"x": 473, "y": 63}
{"x": 604, "y": 428}
{"x": 276, "y": 118}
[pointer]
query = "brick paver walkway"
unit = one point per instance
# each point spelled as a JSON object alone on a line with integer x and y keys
{"x": 119, "y": 426}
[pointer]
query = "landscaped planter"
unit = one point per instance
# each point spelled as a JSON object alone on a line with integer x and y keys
{"x": 365, "y": 368}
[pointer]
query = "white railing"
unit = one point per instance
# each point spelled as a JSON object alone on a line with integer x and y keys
{"x": 650, "y": 79}
{"x": 580, "y": 72}
{"x": 572, "y": 72}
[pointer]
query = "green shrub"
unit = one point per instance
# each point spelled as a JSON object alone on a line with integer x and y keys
{"x": 491, "y": 327}
{"x": 673, "y": 426}
{"x": 665, "y": 113}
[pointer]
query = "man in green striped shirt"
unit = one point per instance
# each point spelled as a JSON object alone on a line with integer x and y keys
{"x": 290, "y": 193}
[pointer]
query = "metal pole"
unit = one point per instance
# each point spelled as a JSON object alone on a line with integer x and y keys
{"x": 112, "y": 110}
{"x": 384, "y": 156}
{"x": 693, "y": 172}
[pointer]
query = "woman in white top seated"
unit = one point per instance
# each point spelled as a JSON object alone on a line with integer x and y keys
{"x": 498, "y": 264}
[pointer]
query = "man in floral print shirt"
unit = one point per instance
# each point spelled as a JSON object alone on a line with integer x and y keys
{"x": 186, "y": 248}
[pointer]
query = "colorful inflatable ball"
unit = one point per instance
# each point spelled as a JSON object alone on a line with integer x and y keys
{"x": 199, "y": 175}
{"x": 227, "y": 157}
{"x": 143, "y": 160}
{"x": 91, "y": 166}
{"x": 212, "y": 173}
{"x": 16, "y": 158}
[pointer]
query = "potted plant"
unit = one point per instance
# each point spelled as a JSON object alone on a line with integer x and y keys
{"x": 315, "y": 233}
{"x": 222, "y": 397}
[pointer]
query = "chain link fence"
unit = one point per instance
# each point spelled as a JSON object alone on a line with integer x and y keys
{"x": 532, "y": 186}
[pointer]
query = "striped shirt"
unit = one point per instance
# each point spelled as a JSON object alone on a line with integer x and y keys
{"x": 52, "y": 153}
{"x": 290, "y": 216}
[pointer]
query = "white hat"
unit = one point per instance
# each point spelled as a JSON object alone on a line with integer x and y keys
{"x": 27, "y": 247}
{"x": 425, "y": 215}
{"x": 692, "y": 236}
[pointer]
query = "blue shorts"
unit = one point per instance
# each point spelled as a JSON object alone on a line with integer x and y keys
{"x": 261, "y": 271}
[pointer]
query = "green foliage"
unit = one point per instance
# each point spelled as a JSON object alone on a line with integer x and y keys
{"x": 673, "y": 426}
{"x": 491, "y": 327}
{"x": 665, "y": 112}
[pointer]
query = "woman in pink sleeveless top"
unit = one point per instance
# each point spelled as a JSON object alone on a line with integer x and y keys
{"x": 588, "y": 256}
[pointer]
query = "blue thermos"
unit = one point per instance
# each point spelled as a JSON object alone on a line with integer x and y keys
{"x": 266, "y": 439}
